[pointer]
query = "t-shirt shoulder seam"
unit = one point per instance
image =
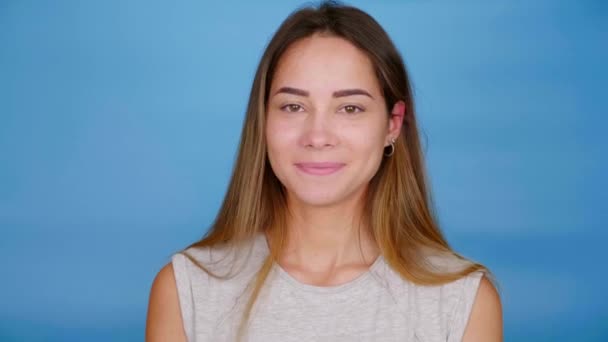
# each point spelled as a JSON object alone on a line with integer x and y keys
{"x": 184, "y": 291}
{"x": 462, "y": 309}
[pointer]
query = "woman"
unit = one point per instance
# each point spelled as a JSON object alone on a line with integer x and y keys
{"x": 326, "y": 231}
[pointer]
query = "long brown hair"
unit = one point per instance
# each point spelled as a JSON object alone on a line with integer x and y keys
{"x": 398, "y": 204}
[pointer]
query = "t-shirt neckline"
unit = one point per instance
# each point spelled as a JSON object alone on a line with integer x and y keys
{"x": 360, "y": 279}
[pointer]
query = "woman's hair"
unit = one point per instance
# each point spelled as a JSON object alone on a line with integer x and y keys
{"x": 398, "y": 206}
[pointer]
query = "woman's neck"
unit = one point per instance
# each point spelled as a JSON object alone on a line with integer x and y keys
{"x": 324, "y": 238}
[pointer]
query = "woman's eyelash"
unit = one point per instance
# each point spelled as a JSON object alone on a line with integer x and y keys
{"x": 352, "y": 109}
{"x": 294, "y": 107}
{"x": 291, "y": 107}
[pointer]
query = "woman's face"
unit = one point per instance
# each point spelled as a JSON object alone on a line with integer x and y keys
{"x": 327, "y": 122}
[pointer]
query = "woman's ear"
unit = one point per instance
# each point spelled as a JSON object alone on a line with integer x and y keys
{"x": 396, "y": 119}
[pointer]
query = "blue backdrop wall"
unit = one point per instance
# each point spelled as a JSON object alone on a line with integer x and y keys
{"x": 119, "y": 122}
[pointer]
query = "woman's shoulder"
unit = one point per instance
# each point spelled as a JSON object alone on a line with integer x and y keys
{"x": 224, "y": 260}
{"x": 164, "y": 319}
{"x": 203, "y": 293}
{"x": 451, "y": 304}
{"x": 447, "y": 262}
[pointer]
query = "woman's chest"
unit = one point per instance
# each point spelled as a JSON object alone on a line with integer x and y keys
{"x": 369, "y": 313}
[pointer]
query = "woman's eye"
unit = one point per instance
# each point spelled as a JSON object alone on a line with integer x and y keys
{"x": 292, "y": 107}
{"x": 352, "y": 109}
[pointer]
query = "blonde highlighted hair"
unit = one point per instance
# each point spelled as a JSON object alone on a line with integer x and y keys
{"x": 398, "y": 206}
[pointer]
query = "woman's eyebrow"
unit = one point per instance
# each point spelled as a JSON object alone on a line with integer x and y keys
{"x": 349, "y": 92}
{"x": 293, "y": 91}
{"x": 337, "y": 93}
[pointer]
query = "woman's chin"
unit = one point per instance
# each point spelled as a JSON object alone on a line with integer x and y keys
{"x": 318, "y": 199}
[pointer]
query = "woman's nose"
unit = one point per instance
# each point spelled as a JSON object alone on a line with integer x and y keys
{"x": 318, "y": 131}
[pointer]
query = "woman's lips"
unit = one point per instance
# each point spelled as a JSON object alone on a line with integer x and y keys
{"x": 319, "y": 169}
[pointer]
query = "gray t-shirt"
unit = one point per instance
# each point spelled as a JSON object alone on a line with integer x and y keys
{"x": 376, "y": 306}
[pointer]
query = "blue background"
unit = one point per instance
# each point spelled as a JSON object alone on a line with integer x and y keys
{"x": 119, "y": 122}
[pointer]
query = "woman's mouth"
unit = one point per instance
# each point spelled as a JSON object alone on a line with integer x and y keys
{"x": 320, "y": 169}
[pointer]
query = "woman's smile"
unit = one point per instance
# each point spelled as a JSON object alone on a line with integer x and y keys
{"x": 319, "y": 168}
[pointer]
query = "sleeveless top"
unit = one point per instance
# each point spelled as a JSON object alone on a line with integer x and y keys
{"x": 378, "y": 305}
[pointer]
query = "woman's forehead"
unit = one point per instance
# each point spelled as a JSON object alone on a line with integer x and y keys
{"x": 325, "y": 64}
